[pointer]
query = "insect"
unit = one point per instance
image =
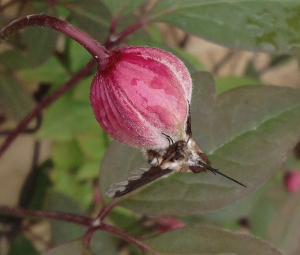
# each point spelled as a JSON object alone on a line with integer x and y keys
{"x": 181, "y": 156}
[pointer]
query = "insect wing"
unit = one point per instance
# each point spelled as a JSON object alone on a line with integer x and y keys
{"x": 134, "y": 179}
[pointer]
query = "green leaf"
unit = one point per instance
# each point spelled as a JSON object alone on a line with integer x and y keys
{"x": 13, "y": 98}
{"x": 79, "y": 56}
{"x": 66, "y": 183}
{"x": 246, "y": 132}
{"x": 104, "y": 243}
{"x": 62, "y": 232}
{"x": 41, "y": 44}
{"x": 266, "y": 25}
{"x": 65, "y": 118}
{"x": 92, "y": 17}
{"x": 123, "y": 7}
{"x": 204, "y": 240}
{"x": 93, "y": 143}
{"x": 284, "y": 231}
{"x": 67, "y": 154}
{"x": 229, "y": 82}
{"x": 13, "y": 59}
{"x": 126, "y": 220}
{"x": 50, "y": 72}
{"x": 74, "y": 247}
{"x": 41, "y": 185}
{"x": 89, "y": 170}
{"x": 20, "y": 245}
{"x": 82, "y": 90}
{"x": 236, "y": 211}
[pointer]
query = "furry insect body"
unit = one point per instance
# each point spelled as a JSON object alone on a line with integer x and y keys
{"x": 180, "y": 156}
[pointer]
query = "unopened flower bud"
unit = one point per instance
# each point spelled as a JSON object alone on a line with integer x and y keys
{"x": 167, "y": 224}
{"x": 292, "y": 181}
{"x": 142, "y": 95}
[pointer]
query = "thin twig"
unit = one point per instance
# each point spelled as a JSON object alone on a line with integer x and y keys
{"x": 26, "y": 131}
{"x": 62, "y": 216}
{"x": 106, "y": 210}
{"x": 128, "y": 237}
{"x": 92, "y": 46}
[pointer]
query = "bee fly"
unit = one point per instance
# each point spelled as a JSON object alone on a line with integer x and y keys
{"x": 181, "y": 156}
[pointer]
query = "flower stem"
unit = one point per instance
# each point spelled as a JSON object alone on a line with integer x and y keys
{"x": 43, "y": 20}
{"x": 44, "y": 103}
{"x": 93, "y": 47}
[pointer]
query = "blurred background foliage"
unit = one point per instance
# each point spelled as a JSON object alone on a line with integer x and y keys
{"x": 69, "y": 144}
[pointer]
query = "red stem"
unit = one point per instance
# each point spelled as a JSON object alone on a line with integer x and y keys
{"x": 44, "y": 103}
{"x": 116, "y": 39}
{"x": 128, "y": 237}
{"x": 93, "y": 47}
{"x": 80, "y": 220}
{"x": 106, "y": 210}
{"x": 68, "y": 217}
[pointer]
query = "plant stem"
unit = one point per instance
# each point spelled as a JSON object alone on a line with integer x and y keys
{"x": 68, "y": 217}
{"x": 45, "y": 102}
{"x": 80, "y": 220}
{"x": 106, "y": 210}
{"x": 116, "y": 39}
{"x": 128, "y": 237}
{"x": 93, "y": 47}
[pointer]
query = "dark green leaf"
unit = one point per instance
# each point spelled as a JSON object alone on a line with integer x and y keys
{"x": 266, "y": 25}
{"x": 74, "y": 247}
{"x": 13, "y": 98}
{"x": 204, "y": 240}
{"x": 92, "y": 17}
{"x": 246, "y": 132}
{"x": 41, "y": 185}
{"x": 284, "y": 231}
{"x": 62, "y": 232}
{"x": 122, "y": 7}
{"x": 41, "y": 44}
{"x": 102, "y": 243}
{"x": 22, "y": 246}
{"x": 126, "y": 220}
{"x": 236, "y": 211}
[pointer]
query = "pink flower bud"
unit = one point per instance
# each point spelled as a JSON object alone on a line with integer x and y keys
{"x": 141, "y": 95}
{"x": 166, "y": 224}
{"x": 292, "y": 181}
